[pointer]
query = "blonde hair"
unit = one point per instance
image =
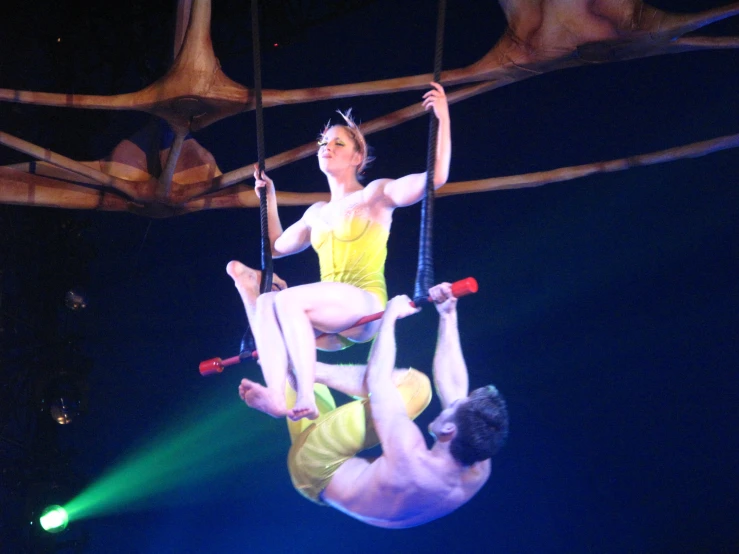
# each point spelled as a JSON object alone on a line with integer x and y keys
{"x": 357, "y": 136}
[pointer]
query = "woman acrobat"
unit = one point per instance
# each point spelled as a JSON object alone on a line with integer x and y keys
{"x": 349, "y": 234}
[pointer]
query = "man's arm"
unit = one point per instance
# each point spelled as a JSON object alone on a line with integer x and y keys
{"x": 397, "y": 433}
{"x": 450, "y": 370}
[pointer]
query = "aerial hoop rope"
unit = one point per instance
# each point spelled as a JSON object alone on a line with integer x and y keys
{"x": 265, "y": 284}
{"x": 425, "y": 270}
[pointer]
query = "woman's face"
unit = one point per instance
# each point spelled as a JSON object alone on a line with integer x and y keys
{"x": 337, "y": 151}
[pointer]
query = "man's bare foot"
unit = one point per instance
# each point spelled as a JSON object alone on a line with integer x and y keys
{"x": 304, "y": 407}
{"x": 263, "y": 399}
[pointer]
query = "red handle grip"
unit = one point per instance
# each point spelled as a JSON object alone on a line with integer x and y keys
{"x": 211, "y": 367}
{"x": 460, "y": 288}
{"x": 216, "y": 365}
{"x": 463, "y": 287}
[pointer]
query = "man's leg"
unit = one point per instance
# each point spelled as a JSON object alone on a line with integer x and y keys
{"x": 345, "y": 378}
{"x": 326, "y": 443}
{"x": 349, "y": 378}
{"x": 324, "y": 402}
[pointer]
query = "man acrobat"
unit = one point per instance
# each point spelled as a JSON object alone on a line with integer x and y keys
{"x": 409, "y": 484}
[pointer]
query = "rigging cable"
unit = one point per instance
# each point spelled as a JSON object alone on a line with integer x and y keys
{"x": 425, "y": 270}
{"x": 267, "y": 268}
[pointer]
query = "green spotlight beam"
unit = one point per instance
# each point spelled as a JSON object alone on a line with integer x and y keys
{"x": 227, "y": 437}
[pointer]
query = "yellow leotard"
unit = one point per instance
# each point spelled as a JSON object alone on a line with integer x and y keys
{"x": 353, "y": 251}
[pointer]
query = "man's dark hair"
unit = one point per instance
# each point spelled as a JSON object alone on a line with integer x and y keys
{"x": 482, "y": 426}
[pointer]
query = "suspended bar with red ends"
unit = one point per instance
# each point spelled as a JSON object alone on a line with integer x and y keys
{"x": 460, "y": 288}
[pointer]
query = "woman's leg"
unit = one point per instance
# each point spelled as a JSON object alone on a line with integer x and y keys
{"x": 272, "y": 353}
{"x": 326, "y": 307}
{"x": 317, "y": 307}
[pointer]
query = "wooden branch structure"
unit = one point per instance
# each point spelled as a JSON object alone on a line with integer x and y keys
{"x": 542, "y": 36}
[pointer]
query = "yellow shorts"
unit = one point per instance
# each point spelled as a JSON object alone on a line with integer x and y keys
{"x": 321, "y": 446}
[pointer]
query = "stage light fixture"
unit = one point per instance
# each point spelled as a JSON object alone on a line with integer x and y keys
{"x": 64, "y": 410}
{"x": 64, "y": 396}
{"x": 75, "y": 300}
{"x": 54, "y": 519}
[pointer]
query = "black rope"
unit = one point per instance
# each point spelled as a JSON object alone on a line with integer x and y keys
{"x": 248, "y": 344}
{"x": 425, "y": 271}
{"x": 266, "y": 281}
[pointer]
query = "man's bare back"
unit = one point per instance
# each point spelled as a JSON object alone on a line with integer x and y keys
{"x": 428, "y": 487}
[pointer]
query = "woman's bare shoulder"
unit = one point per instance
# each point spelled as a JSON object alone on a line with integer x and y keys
{"x": 310, "y": 214}
{"x": 313, "y": 209}
{"x": 375, "y": 190}
{"x": 377, "y": 184}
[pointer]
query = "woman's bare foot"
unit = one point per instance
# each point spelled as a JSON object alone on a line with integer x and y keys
{"x": 278, "y": 283}
{"x": 263, "y": 399}
{"x": 248, "y": 280}
{"x": 244, "y": 277}
{"x": 304, "y": 407}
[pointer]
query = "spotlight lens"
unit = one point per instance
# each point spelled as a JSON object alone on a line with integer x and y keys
{"x": 54, "y": 519}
